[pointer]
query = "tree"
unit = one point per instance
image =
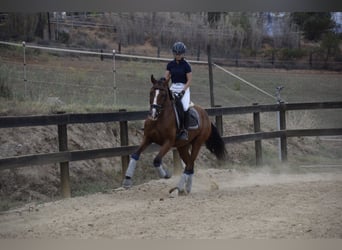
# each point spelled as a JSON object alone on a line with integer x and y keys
{"x": 330, "y": 44}
{"x": 314, "y": 24}
{"x": 213, "y": 17}
{"x": 41, "y": 23}
{"x": 24, "y": 26}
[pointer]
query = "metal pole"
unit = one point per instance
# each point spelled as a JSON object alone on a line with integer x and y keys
{"x": 25, "y": 80}
{"x": 114, "y": 79}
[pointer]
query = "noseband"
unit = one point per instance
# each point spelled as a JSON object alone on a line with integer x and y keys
{"x": 156, "y": 109}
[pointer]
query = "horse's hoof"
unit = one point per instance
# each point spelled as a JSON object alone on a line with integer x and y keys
{"x": 173, "y": 189}
{"x": 167, "y": 175}
{"x": 127, "y": 183}
{"x": 180, "y": 192}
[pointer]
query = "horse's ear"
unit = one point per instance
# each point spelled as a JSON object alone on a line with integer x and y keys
{"x": 165, "y": 83}
{"x": 153, "y": 80}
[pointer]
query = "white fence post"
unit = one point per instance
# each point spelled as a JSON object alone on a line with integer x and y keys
{"x": 114, "y": 79}
{"x": 25, "y": 80}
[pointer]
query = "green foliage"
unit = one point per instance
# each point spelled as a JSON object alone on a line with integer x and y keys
{"x": 24, "y": 26}
{"x": 63, "y": 36}
{"x": 314, "y": 24}
{"x": 5, "y": 90}
{"x": 213, "y": 17}
{"x": 290, "y": 54}
{"x": 249, "y": 52}
{"x": 330, "y": 44}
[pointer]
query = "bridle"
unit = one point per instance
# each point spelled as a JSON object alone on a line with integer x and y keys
{"x": 155, "y": 108}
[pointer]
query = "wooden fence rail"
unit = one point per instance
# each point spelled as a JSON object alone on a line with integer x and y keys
{"x": 64, "y": 156}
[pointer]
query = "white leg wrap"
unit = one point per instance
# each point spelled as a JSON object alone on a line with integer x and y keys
{"x": 161, "y": 171}
{"x": 182, "y": 182}
{"x": 131, "y": 168}
{"x": 188, "y": 183}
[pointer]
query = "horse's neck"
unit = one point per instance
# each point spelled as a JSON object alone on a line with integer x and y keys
{"x": 168, "y": 112}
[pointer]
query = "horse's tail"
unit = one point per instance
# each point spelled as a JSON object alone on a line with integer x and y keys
{"x": 215, "y": 144}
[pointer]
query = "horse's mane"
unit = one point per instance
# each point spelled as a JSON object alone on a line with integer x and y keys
{"x": 170, "y": 94}
{"x": 162, "y": 83}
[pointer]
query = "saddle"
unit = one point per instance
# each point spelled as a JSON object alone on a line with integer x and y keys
{"x": 194, "y": 119}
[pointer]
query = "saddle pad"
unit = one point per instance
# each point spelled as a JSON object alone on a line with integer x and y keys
{"x": 194, "y": 119}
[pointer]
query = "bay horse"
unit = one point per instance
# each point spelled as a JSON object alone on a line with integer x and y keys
{"x": 160, "y": 127}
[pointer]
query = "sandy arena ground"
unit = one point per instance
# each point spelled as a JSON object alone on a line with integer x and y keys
{"x": 224, "y": 204}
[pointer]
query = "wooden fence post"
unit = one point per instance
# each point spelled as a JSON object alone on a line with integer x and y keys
{"x": 64, "y": 166}
{"x": 177, "y": 163}
{"x": 124, "y": 142}
{"x": 257, "y": 143}
{"x": 218, "y": 122}
{"x": 211, "y": 81}
{"x": 282, "y": 125}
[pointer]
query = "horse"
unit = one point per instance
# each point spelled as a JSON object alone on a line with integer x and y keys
{"x": 160, "y": 127}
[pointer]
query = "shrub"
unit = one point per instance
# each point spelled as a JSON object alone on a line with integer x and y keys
{"x": 5, "y": 90}
{"x": 64, "y": 36}
{"x": 289, "y": 54}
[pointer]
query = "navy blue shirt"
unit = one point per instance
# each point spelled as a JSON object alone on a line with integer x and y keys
{"x": 178, "y": 70}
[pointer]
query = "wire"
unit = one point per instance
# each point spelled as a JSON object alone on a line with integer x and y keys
{"x": 243, "y": 80}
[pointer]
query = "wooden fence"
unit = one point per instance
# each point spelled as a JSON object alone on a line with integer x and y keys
{"x": 64, "y": 156}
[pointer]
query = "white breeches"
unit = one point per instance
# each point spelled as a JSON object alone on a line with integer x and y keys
{"x": 178, "y": 87}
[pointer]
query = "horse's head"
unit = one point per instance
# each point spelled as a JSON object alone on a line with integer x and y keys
{"x": 159, "y": 95}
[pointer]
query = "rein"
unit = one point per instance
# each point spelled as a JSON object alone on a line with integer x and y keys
{"x": 159, "y": 107}
{"x": 156, "y": 106}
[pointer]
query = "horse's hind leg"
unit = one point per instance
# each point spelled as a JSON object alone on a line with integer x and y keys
{"x": 185, "y": 182}
{"x": 189, "y": 159}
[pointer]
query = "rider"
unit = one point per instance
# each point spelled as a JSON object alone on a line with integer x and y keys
{"x": 179, "y": 70}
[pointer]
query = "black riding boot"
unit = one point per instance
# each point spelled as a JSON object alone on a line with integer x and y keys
{"x": 184, "y": 132}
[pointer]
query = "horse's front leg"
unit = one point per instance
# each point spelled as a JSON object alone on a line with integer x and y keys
{"x": 127, "y": 182}
{"x": 157, "y": 162}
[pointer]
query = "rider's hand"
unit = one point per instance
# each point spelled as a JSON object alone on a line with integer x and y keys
{"x": 181, "y": 94}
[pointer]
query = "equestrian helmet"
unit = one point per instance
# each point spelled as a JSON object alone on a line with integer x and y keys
{"x": 178, "y": 48}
